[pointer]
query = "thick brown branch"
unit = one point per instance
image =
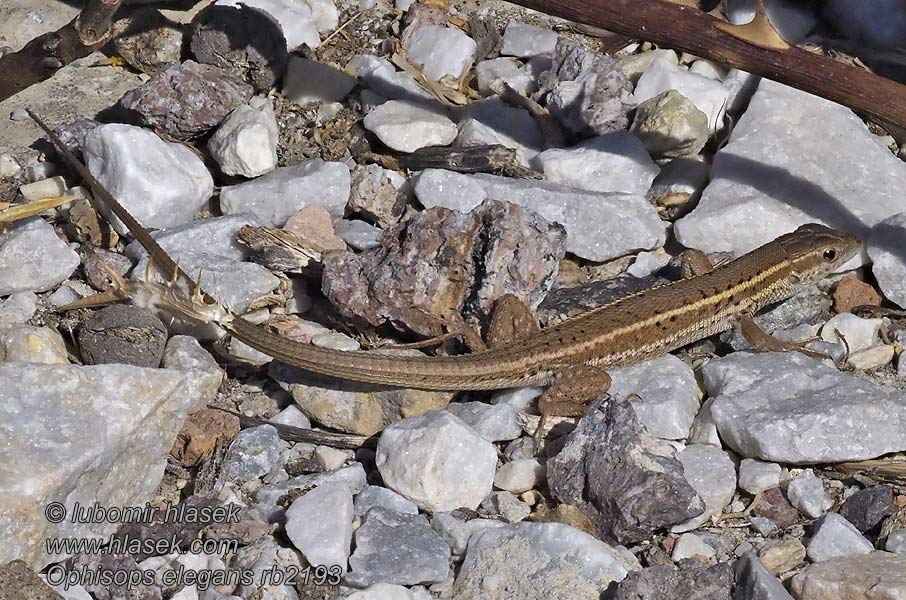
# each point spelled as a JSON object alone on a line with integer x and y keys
{"x": 691, "y": 30}
{"x": 40, "y": 58}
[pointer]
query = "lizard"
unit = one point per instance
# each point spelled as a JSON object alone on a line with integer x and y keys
{"x": 571, "y": 358}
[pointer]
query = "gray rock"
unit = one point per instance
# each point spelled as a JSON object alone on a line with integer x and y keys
{"x": 162, "y": 184}
{"x": 690, "y": 579}
{"x": 503, "y": 70}
{"x": 151, "y": 43}
{"x": 755, "y": 582}
{"x": 270, "y": 495}
{"x": 27, "y": 343}
{"x": 216, "y": 235}
{"x": 437, "y": 461}
{"x": 537, "y": 561}
{"x": 19, "y": 581}
{"x": 689, "y": 545}
{"x": 519, "y": 475}
{"x": 818, "y": 415}
{"x": 309, "y": 81}
{"x": 896, "y": 542}
{"x": 867, "y": 508}
{"x": 103, "y": 436}
{"x": 888, "y": 262}
{"x": 833, "y": 536}
{"x": 186, "y": 100}
{"x": 359, "y": 235}
{"x": 605, "y": 463}
{"x": 383, "y": 79}
{"x": 711, "y": 473}
{"x": 506, "y": 506}
{"x": 33, "y": 258}
{"x": 874, "y": 575}
{"x": 374, "y": 495}
{"x": 670, "y": 125}
{"x": 123, "y": 334}
{"x": 457, "y": 532}
{"x": 763, "y": 526}
{"x": 493, "y": 422}
{"x": 399, "y": 548}
{"x": 298, "y": 20}
{"x": 253, "y": 453}
{"x": 524, "y": 40}
{"x": 184, "y": 353}
{"x": 756, "y": 476}
{"x": 19, "y": 307}
{"x": 668, "y": 394}
{"x": 277, "y": 196}
{"x": 319, "y": 524}
{"x": 492, "y": 121}
{"x": 599, "y": 226}
{"x": 246, "y": 142}
{"x": 806, "y": 492}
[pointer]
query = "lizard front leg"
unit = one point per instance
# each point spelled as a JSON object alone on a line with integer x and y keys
{"x": 572, "y": 390}
{"x": 762, "y": 341}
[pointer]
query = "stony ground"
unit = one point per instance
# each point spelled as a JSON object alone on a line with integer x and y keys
{"x": 358, "y": 175}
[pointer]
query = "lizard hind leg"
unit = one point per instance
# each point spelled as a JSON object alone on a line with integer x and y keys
{"x": 570, "y": 394}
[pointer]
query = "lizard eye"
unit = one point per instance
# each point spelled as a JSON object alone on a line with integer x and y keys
{"x": 830, "y": 255}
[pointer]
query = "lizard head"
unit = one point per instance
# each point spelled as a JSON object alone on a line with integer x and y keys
{"x": 816, "y": 251}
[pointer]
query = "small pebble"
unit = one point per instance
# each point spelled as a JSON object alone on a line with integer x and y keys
{"x": 44, "y": 188}
{"x": 806, "y": 492}
{"x": 691, "y": 545}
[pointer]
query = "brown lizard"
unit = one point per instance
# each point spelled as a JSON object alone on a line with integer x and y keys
{"x": 571, "y": 357}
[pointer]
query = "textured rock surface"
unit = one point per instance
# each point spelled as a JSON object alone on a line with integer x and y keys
{"x": 104, "y": 435}
{"x": 867, "y": 508}
{"x": 123, "y": 334}
{"x": 711, "y": 473}
{"x": 162, "y": 184}
{"x": 670, "y": 125}
{"x": 319, "y": 524}
{"x": 818, "y": 415}
{"x": 446, "y": 261}
{"x": 888, "y": 258}
{"x": 406, "y": 127}
{"x": 878, "y": 575}
{"x": 690, "y": 579}
{"x": 626, "y": 482}
{"x": 27, "y": 343}
{"x": 537, "y": 561}
{"x": 833, "y": 536}
{"x": 33, "y": 258}
{"x": 186, "y": 100}
{"x": 246, "y": 142}
{"x": 709, "y": 96}
{"x": 755, "y": 582}
{"x": 599, "y": 226}
{"x": 440, "y": 51}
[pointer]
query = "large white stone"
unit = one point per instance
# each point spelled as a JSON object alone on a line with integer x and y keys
{"x": 295, "y": 19}
{"x": 793, "y": 158}
{"x": 524, "y": 40}
{"x": 217, "y": 235}
{"x": 887, "y": 251}
{"x": 599, "y": 226}
{"x": 275, "y": 197}
{"x": 708, "y": 95}
{"x": 246, "y": 142}
{"x": 319, "y": 524}
{"x": 27, "y": 343}
{"x": 33, "y": 258}
{"x": 668, "y": 395}
{"x": 711, "y": 473}
{"x": 615, "y": 162}
{"x": 789, "y": 408}
{"x": 492, "y": 121}
{"x": 81, "y": 434}
{"x": 160, "y": 183}
{"x": 407, "y": 127}
{"x": 437, "y": 461}
{"x": 440, "y": 51}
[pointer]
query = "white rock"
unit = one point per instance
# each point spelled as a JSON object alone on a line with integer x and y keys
{"x": 740, "y": 86}
{"x": 217, "y": 235}
{"x": 457, "y": 532}
{"x": 267, "y": 496}
{"x": 793, "y": 158}
{"x": 184, "y": 353}
{"x": 878, "y": 23}
{"x": 51, "y": 187}
{"x": 835, "y": 536}
{"x": 335, "y": 341}
{"x": 757, "y": 476}
{"x": 539, "y": 560}
{"x": 293, "y": 416}
{"x": 708, "y": 69}
{"x": 383, "y": 79}
{"x": 646, "y": 263}
{"x": 792, "y": 20}
{"x": 681, "y": 177}
{"x": 669, "y": 397}
{"x": 103, "y": 436}
{"x": 161, "y": 183}
{"x": 310, "y": 81}
{"x": 246, "y": 142}
{"x": 319, "y": 524}
{"x": 896, "y": 542}
{"x": 506, "y": 70}
{"x": 436, "y": 461}
{"x": 440, "y": 51}
{"x": 33, "y": 258}
{"x": 407, "y": 127}
{"x": 520, "y": 398}
{"x": 520, "y": 475}
{"x": 331, "y": 459}
{"x": 789, "y": 408}
{"x": 374, "y": 495}
{"x": 615, "y": 162}
{"x": 871, "y": 358}
{"x": 9, "y": 167}
{"x": 18, "y": 308}
{"x": 27, "y": 343}
{"x": 275, "y": 197}
{"x": 806, "y": 492}
{"x": 711, "y": 472}
{"x": 491, "y": 121}
{"x": 358, "y": 234}
{"x": 524, "y": 41}
{"x": 689, "y": 545}
{"x": 708, "y": 95}
{"x": 885, "y": 249}
{"x": 324, "y": 14}
{"x": 634, "y": 65}
{"x": 383, "y": 591}
{"x": 599, "y": 226}
{"x": 295, "y": 18}
{"x": 493, "y": 422}
{"x": 855, "y": 333}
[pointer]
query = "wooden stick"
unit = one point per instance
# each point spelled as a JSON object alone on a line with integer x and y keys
{"x": 40, "y": 58}
{"x": 691, "y": 30}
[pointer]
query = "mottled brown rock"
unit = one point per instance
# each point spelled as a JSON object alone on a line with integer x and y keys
{"x": 374, "y": 197}
{"x": 780, "y": 556}
{"x": 151, "y": 43}
{"x": 852, "y": 292}
{"x": 96, "y": 261}
{"x": 187, "y": 100}
{"x": 689, "y": 580}
{"x": 86, "y": 226}
{"x": 246, "y": 42}
{"x": 628, "y": 483}
{"x": 773, "y": 505}
{"x": 313, "y": 226}
{"x": 123, "y": 334}
{"x": 442, "y": 263}
{"x": 18, "y": 582}
{"x": 874, "y": 576}
{"x": 201, "y": 433}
